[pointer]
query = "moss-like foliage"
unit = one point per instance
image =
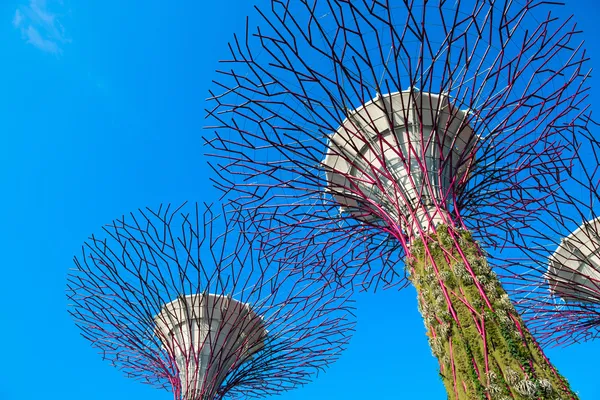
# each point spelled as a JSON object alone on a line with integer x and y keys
{"x": 484, "y": 349}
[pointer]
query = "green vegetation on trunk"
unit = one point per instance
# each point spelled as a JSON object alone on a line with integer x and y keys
{"x": 484, "y": 349}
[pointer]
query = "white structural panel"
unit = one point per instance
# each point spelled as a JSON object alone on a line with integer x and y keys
{"x": 574, "y": 269}
{"x": 207, "y": 334}
{"x": 399, "y": 152}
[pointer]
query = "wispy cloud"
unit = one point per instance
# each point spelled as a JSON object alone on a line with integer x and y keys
{"x": 40, "y": 26}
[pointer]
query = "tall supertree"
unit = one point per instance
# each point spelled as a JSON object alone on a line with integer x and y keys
{"x": 182, "y": 298}
{"x": 428, "y": 133}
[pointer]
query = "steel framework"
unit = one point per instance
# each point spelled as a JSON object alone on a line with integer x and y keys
{"x": 414, "y": 133}
{"x": 183, "y": 299}
{"x": 559, "y": 293}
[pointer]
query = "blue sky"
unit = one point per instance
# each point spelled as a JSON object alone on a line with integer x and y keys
{"x": 102, "y": 113}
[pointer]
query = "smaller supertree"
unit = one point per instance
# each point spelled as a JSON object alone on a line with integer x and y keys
{"x": 180, "y": 298}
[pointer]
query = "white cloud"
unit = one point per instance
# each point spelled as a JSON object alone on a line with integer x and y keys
{"x": 35, "y": 38}
{"x": 18, "y": 19}
{"x": 40, "y": 26}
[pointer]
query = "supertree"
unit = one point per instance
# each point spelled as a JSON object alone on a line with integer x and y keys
{"x": 182, "y": 298}
{"x": 419, "y": 133}
{"x": 559, "y": 295}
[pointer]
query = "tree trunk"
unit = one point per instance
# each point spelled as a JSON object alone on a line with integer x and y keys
{"x": 484, "y": 349}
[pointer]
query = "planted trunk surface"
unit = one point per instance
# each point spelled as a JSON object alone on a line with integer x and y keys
{"x": 482, "y": 345}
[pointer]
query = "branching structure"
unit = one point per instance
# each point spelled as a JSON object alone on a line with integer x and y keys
{"x": 405, "y": 131}
{"x": 183, "y": 299}
{"x": 559, "y": 294}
